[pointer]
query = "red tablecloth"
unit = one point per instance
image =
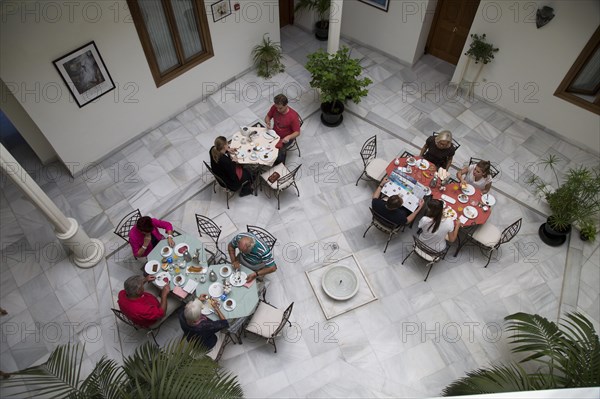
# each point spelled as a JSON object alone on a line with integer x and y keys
{"x": 452, "y": 190}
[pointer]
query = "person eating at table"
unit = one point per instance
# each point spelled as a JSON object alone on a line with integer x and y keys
{"x": 254, "y": 254}
{"x": 140, "y": 306}
{"x": 197, "y": 326}
{"x": 478, "y": 175}
{"x": 439, "y": 149}
{"x": 230, "y": 172}
{"x": 286, "y": 123}
{"x": 392, "y": 209}
{"x": 145, "y": 235}
{"x": 435, "y": 229}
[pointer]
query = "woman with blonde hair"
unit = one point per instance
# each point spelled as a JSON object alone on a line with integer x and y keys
{"x": 439, "y": 149}
{"x": 230, "y": 172}
{"x": 478, "y": 175}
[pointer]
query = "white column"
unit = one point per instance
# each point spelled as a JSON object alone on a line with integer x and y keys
{"x": 87, "y": 252}
{"x": 335, "y": 26}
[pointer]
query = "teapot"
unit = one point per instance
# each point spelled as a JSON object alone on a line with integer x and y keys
{"x": 212, "y": 276}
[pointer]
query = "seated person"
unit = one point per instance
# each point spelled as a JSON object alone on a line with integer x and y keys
{"x": 223, "y": 166}
{"x": 254, "y": 254}
{"x": 286, "y": 123}
{"x": 435, "y": 230}
{"x": 478, "y": 175}
{"x": 392, "y": 209}
{"x": 145, "y": 235}
{"x": 142, "y": 307}
{"x": 197, "y": 326}
{"x": 439, "y": 149}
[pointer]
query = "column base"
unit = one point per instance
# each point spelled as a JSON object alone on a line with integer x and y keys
{"x": 86, "y": 252}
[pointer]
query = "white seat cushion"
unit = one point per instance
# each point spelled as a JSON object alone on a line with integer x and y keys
{"x": 376, "y": 168}
{"x": 424, "y": 255}
{"x": 215, "y": 350}
{"x": 488, "y": 235}
{"x": 282, "y": 170}
{"x": 265, "y": 320}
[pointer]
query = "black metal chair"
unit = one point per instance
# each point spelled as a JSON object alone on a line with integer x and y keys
{"x": 488, "y": 237}
{"x": 427, "y": 253}
{"x": 228, "y": 192}
{"x": 263, "y": 235}
{"x": 265, "y": 318}
{"x": 223, "y": 339}
{"x": 384, "y": 225}
{"x": 294, "y": 146}
{"x": 373, "y": 167}
{"x": 207, "y": 226}
{"x": 151, "y": 331}
{"x": 406, "y": 154}
{"x": 455, "y": 143}
{"x": 127, "y": 223}
{"x": 286, "y": 180}
{"x": 494, "y": 171}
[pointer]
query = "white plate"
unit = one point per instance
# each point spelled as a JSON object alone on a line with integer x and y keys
{"x": 231, "y": 307}
{"x": 168, "y": 253}
{"x": 423, "y": 164}
{"x": 470, "y": 212}
{"x": 225, "y": 273}
{"x": 253, "y": 156}
{"x": 469, "y": 190}
{"x": 206, "y": 310}
{"x": 215, "y": 290}
{"x": 412, "y": 162}
{"x": 178, "y": 247}
{"x": 179, "y": 280}
{"x": 463, "y": 198}
{"x": 160, "y": 282}
{"x": 238, "y": 281}
{"x": 449, "y": 213}
{"x": 149, "y": 264}
{"x": 488, "y": 199}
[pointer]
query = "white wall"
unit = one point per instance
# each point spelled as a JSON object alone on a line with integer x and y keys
{"x": 33, "y": 34}
{"x": 532, "y": 62}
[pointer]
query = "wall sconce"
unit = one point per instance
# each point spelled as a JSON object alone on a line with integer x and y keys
{"x": 544, "y": 16}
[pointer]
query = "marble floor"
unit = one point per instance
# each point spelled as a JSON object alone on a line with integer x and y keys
{"x": 413, "y": 340}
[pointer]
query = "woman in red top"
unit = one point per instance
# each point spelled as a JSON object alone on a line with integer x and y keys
{"x": 286, "y": 123}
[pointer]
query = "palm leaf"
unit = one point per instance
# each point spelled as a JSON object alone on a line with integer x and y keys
{"x": 105, "y": 380}
{"x": 582, "y": 348}
{"x": 501, "y": 378}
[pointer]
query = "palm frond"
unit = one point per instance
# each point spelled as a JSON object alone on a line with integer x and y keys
{"x": 105, "y": 381}
{"x": 500, "y": 378}
{"x": 582, "y": 348}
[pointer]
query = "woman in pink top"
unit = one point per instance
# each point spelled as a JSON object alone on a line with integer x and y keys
{"x": 145, "y": 235}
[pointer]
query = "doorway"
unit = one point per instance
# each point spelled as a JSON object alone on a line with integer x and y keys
{"x": 286, "y": 13}
{"x": 450, "y": 28}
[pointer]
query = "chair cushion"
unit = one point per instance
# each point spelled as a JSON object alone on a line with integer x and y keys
{"x": 265, "y": 320}
{"x": 488, "y": 235}
{"x": 424, "y": 255}
{"x": 214, "y": 352}
{"x": 282, "y": 170}
{"x": 376, "y": 168}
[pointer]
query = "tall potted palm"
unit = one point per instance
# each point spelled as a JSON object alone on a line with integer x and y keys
{"x": 321, "y": 7}
{"x": 178, "y": 370}
{"x": 337, "y": 76}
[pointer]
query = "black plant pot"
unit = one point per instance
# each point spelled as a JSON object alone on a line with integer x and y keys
{"x": 332, "y": 119}
{"x": 322, "y": 30}
{"x": 553, "y": 237}
{"x": 584, "y": 237}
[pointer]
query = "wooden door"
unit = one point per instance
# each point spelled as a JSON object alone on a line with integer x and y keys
{"x": 450, "y": 29}
{"x": 286, "y": 12}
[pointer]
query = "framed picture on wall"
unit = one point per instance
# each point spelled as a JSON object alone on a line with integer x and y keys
{"x": 85, "y": 74}
{"x": 381, "y": 4}
{"x": 220, "y": 9}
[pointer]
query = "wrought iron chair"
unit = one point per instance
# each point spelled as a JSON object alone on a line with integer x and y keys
{"x": 488, "y": 237}
{"x": 374, "y": 168}
{"x": 228, "y": 192}
{"x": 494, "y": 171}
{"x": 286, "y": 180}
{"x": 127, "y": 223}
{"x": 263, "y": 235}
{"x": 294, "y": 146}
{"x": 384, "y": 225}
{"x": 265, "y": 318}
{"x": 406, "y": 154}
{"x": 223, "y": 339}
{"x": 207, "y": 226}
{"x": 427, "y": 253}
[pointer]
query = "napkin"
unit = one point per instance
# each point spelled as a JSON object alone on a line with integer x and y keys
{"x": 190, "y": 286}
{"x": 248, "y": 285}
{"x": 448, "y": 199}
{"x": 463, "y": 219}
{"x": 180, "y": 292}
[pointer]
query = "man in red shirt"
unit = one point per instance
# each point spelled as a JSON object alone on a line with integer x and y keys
{"x": 286, "y": 124}
{"x": 142, "y": 307}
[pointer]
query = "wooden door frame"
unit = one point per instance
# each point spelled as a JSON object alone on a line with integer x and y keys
{"x": 436, "y": 18}
{"x": 291, "y": 12}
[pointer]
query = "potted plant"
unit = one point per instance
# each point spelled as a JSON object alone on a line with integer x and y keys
{"x": 321, "y": 7}
{"x": 267, "y": 58}
{"x": 588, "y": 231}
{"x": 480, "y": 50}
{"x": 576, "y": 200}
{"x": 337, "y": 76}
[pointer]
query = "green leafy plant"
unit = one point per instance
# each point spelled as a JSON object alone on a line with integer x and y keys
{"x": 179, "y": 370}
{"x": 576, "y": 200}
{"x": 321, "y": 7}
{"x": 588, "y": 230}
{"x": 480, "y": 50}
{"x": 562, "y": 356}
{"x": 337, "y": 76}
{"x": 267, "y": 58}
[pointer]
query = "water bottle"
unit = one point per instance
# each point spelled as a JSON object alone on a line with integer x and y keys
{"x": 434, "y": 181}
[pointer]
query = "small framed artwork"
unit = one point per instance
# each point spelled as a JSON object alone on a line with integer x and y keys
{"x": 220, "y": 9}
{"x": 85, "y": 74}
{"x": 381, "y": 4}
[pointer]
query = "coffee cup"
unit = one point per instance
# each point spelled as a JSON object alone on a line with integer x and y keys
{"x": 229, "y": 302}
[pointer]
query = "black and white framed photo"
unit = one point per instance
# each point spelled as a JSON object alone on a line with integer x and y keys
{"x": 220, "y": 9}
{"x": 381, "y": 4}
{"x": 85, "y": 74}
